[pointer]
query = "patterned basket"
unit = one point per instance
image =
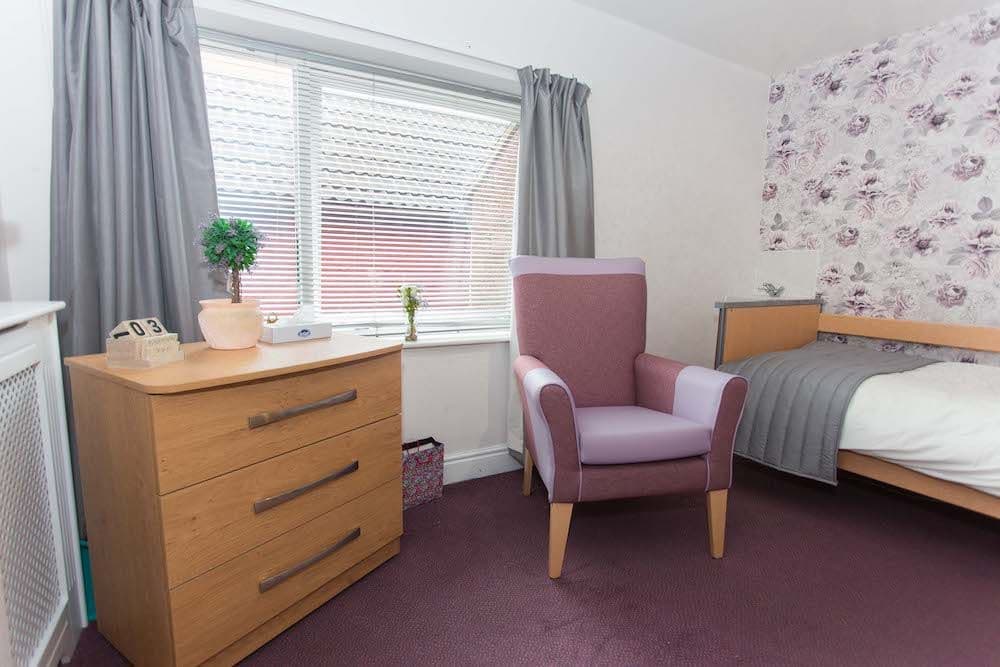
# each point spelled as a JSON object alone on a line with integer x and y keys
{"x": 423, "y": 471}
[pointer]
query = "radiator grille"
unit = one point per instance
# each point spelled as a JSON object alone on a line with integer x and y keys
{"x": 28, "y": 567}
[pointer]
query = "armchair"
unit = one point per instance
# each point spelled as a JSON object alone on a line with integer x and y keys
{"x": 602, "y": 418}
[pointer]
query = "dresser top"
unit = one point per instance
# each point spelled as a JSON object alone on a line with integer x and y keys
{"x": 203, "y": 367}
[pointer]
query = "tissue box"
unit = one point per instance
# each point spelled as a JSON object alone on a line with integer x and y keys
{"x": 290, "y": 332}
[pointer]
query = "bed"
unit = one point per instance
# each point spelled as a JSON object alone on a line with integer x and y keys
{"x": 815, "y": 408}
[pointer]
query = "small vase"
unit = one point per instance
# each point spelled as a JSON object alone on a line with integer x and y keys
{"x": 230, "y": 326}
{"x": 411, "y": 331}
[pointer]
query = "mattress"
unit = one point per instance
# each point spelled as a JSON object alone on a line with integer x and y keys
{"x": 942, "y": 420}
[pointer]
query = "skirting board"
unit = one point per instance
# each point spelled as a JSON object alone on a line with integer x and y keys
{"x": 461, "y": 466}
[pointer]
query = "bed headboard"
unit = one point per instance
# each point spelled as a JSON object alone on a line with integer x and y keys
{"x": 983, "y": 339}
{"x": 747, "y": 328}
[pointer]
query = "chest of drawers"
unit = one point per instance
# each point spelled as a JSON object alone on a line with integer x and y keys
{"x": 230, "y": 494}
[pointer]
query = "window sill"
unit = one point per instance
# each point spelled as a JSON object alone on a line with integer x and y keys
{"x": 452, "y": 339}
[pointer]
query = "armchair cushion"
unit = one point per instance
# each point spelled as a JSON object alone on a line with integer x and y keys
{"x": 632, "y": 434}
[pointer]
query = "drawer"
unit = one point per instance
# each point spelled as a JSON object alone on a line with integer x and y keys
{"x": 203, "y": 434}
{"x": 214, "y": 610}
{"x": 209, "y": 523}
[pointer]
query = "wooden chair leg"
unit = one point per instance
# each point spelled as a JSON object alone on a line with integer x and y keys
{"x": 716, "y": 501}
{"x": 529, "y": 465}
{"x": 559, "y": 516}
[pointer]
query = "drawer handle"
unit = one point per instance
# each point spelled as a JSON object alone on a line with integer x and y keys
{"x": 270, "y": 582}
{"x": 273, "y": 501}
{"x": 265, "y": 418}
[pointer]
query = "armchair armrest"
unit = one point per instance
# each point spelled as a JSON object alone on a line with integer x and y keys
{"x": 550, "y": 427}
{"x": 701, "y": 395}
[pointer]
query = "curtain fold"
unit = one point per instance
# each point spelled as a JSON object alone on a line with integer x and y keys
{"x": 555, "y": 200}
{"x": 555, "y": 186}
{"x": 132, "y": 174}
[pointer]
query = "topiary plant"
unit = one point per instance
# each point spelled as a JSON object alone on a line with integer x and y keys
{"x": 231, "y": 244}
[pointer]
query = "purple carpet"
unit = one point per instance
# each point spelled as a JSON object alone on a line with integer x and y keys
{"x": 858, "y": 575}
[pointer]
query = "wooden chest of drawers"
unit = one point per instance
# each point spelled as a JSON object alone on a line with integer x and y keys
{"x": 230, "y": 494}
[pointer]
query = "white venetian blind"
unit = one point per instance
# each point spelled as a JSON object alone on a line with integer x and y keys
{"x": 362, "y": 183}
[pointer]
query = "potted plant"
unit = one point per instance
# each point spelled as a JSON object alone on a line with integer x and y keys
{"x": 412, "y": 300}
{"x": 230, "y": 245}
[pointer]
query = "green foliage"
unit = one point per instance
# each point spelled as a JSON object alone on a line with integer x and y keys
{"x": 411, "y": 298}
{"x": 230, "y": 243}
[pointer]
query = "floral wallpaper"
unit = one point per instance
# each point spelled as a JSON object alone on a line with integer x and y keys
{"x": 886, "y": 160}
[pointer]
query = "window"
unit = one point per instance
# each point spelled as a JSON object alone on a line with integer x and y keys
{"x": 361, "y": 183}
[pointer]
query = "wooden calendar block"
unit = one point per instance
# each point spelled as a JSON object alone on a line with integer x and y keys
{"x": 142, "y": 343}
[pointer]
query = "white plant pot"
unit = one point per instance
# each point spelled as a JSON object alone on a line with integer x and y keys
{"x": 230, "y": 326}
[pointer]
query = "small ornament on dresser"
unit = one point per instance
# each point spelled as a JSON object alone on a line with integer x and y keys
{"x": 142, "y": 343}
{"x": 230, "y": 245}
{"x": 412, "y": 299}
{"x": 771, "y": 290}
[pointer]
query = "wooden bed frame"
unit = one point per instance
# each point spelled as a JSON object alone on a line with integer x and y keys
{"x": 754, "y": 327}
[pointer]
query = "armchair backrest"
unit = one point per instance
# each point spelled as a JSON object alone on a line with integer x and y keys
{"x": 586, "y": 320}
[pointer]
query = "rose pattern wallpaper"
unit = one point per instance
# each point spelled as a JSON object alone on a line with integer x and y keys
{"x": 886, "y": 161}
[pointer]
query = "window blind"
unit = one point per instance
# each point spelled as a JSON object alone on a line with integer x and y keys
{"x": 361, "y": 183}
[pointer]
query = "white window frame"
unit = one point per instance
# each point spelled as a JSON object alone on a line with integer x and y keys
{"x": 309, "y": 247}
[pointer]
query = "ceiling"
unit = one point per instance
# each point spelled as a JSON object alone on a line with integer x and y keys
{"x": 773, "y": 36}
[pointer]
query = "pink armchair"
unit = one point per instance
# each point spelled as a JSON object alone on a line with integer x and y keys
{"x": 603, "y": 419}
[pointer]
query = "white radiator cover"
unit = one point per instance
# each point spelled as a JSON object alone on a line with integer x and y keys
{"x": 42, "y": 608}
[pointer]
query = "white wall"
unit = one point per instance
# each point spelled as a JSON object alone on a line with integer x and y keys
{"x": 458, "y": 394}
{"x": 795, "y": 270}
{"x": 25, "y": 148}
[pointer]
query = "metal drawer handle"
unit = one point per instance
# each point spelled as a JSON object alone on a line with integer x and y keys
{"x": 273, "y": 501}
{"x": 270, "y": 582}
{"x": 265, "y": 418}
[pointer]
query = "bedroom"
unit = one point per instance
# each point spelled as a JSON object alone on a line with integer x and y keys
{"x": 242, "y": 504}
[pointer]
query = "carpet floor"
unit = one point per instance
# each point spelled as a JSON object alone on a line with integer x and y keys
{"x": 857, "y": 575}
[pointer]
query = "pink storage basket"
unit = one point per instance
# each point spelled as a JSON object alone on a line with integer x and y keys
{"x": 423, "y": 471}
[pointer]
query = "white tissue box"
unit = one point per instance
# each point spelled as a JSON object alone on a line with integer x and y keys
{"x": 291, "y": 332}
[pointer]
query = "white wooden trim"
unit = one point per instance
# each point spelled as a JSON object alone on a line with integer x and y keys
{"x": 66, "y": 498}
{"x": 31, "y": 341}
{"x": 13, "y": 313}
{"x": 454, "y": 339}
{"x": 465, "y": 465}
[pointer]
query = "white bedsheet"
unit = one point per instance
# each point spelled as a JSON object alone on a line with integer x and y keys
{"x": 942, "y": 420}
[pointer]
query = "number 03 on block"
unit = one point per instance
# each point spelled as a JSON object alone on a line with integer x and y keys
{"x": 142, "y": 343}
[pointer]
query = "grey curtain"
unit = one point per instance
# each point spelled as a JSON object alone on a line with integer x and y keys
{"x": 555, "y": 187}
{"x": 132, "y": 175}
{"x": 555, "y": 198}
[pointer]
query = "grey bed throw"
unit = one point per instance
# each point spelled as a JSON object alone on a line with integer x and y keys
{"x": 798, "y": 399}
